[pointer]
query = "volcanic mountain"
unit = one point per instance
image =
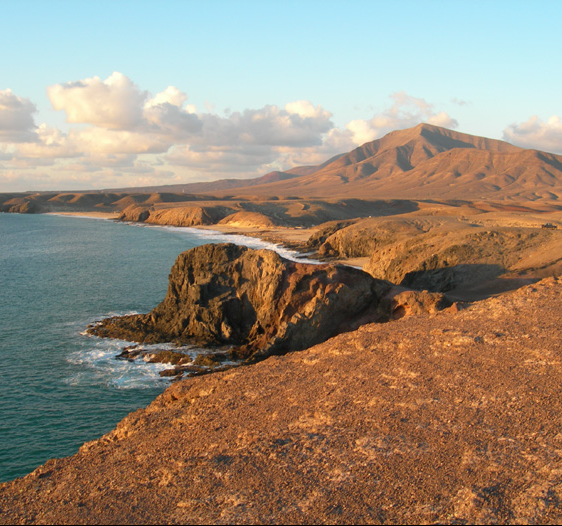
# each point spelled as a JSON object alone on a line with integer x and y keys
{"x": 426, "y": 162}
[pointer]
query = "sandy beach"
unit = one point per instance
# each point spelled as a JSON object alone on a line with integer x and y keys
{"x": 93, "y": 214}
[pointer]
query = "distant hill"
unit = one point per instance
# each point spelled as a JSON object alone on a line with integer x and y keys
{"x": 220, "y": 184}
{"x": 419, "y": 163}
{"x": 426, "y": 162}
{"x": 229, "y": 184}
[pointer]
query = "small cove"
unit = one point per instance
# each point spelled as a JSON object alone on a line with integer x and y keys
{"x": 57, "y": 275}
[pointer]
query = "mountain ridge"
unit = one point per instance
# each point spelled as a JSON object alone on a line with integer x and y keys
{"x": 428, "y": 161}
{"x": 419, "y": 163}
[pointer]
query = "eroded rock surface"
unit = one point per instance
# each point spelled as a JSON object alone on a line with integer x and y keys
{"x": 193, "y": 215}
{"x": 254, "y": 299}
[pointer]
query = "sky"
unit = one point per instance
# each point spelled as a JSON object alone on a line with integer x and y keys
{"x": 109, "y": 94}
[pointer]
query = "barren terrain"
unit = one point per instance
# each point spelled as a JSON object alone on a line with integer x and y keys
{"x": 451, "y": 418}
{"x": 440, "y": 416}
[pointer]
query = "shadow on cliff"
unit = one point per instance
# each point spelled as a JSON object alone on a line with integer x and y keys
{"x": 466, "y": 282}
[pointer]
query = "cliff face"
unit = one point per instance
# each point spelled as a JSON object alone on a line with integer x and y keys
{"x": 177, "y": 216}
{"x": 255, "y": 300}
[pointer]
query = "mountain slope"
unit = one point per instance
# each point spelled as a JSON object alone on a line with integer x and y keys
{"x": 430, "y": 162}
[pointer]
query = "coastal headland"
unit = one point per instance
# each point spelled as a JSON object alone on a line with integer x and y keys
{"x": 422, "y": 388}
{"x": 447, "y": 418}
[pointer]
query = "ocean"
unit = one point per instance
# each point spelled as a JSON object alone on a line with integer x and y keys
{"x": 61, "y": 388}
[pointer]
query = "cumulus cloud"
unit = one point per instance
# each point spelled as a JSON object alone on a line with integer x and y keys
{"x": 300, "y": 125}
{"x": 223, "y": 160}
{"x": 172, "y": 121}
{"x": 100, "y": 140}
{"x": 16, "y": 118}
{"x": 405, "y": 112}
{"x": 51, "y": 143}
{"x": 536, "y": 133}
{"x": 123, "y": 163}
{"x": 251, "y": 140}
{"x": 113, "y": 103}
{"x": 171, "y": 95}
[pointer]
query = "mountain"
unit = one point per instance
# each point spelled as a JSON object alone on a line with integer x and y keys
{"x": 420, "y": 163}
{"x": 426, "y": 162}
{"x": 220, "y": 184}
{"x": 229, "y": 184}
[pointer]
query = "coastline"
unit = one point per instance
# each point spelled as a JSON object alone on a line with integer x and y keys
{"x": 91, "y": 215}
{"x": 291, "y": 239}
{"x": 441, "y": 424}
{"x": 224, "y": 422}
{"x": 286, "y": 234}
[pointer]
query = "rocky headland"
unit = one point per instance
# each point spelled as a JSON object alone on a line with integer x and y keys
{"x": 449, "y": 418}
{"x": 254, "y": 301}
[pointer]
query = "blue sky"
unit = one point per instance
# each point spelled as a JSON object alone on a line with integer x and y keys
{"x": 101, "y": 94}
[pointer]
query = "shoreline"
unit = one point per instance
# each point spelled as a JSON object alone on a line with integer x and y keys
{"x": 224, "y": 422}
{"x": 288, "y": 234}
{"x": 91, "y": 215}
{"x": 424, "y": 399}
{"x": 289, "y": 238}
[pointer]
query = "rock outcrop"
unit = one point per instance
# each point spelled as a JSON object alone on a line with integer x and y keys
{"x": 459, "y": 256}
{"x": 453, "y": 419}
{"x": 177, "y": 216}
{"x": 254, "y": 300}
{"x": 21, "y": 205}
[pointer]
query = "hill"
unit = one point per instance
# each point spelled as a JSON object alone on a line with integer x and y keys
{"x": 430, "y": 162}
{"x": 421, "y": 163}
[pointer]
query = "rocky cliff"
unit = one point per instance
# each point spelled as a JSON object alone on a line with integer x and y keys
{"x": 254, "y": 300}
{"x": 453, "y": 418}
{"x": 193, "y": 215}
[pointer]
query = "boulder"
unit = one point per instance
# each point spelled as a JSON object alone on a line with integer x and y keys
{"x": 254, "y": 300}
{"x": 414, "y": 302}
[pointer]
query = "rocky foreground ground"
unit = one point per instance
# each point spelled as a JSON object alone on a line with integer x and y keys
{"x": 448, "y": 418}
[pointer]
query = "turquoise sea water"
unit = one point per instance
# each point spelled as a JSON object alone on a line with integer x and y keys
{"x": 59, "y": 387}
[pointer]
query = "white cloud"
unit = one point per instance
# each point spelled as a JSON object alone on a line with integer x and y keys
{"x": 139, "y": 123}
{"x": 16, "y": 118}
{"x": 222, "y": 160}
{"x": 407, "y": 111}
{"x": 170, "y": 120}
{"x": 100, "y": 140}
{"x": 442, "y": 119}
{"x": 51, "y": 143}
{"x": 302, "y": 126}
{"x": 537, "y": 134}
{"x": 253, "y": 139}
{"x": 171, "y": 95}
{"x": 306, "y": 109}
{"x": 113, "y": 103}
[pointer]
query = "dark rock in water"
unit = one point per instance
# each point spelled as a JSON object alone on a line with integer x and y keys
{"x": 166, "y": 356}
{"x": 209, "y": 360}
{"x": 255, "y": 300}
{"x": 129, "y": 354}
{"x": 176, "y": 371}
